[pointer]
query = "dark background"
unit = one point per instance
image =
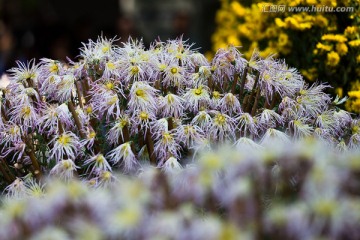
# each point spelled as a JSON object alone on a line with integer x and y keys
{"x": 55, "y": 29}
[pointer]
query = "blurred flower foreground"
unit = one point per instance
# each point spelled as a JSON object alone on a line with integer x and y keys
{"x": 230, "y": 149}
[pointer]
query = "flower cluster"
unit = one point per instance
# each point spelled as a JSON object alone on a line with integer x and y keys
{"x": 322, "y": 44}
{"x": 123, "y": 107}
{"x": 303, "y": 190}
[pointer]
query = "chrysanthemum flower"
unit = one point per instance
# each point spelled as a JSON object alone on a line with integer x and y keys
{"x": 171, "y": 106}
{"x": 66, "y": 144}
{"x": 196, "y": 98}
{"x": 300, "y": 128}
{"x": 116, "y": 131}
{"x": 97, "y": 163}
{"x": 51, "y": 115}
{"x": 166, "y": 145}
{"x": 229, "y": 104}
{"x": 247, "y": 124}
{"x": 124, "y": 154}
{"x": 25, "y": 72}
{"x": 189, "y": 134}
{"x": 64, "y": 169}
{"x": 171, "y": 165}
{"x": 142, "y": 97}
{"x": 222, "y": 127}
{"x": 24, "y": 114}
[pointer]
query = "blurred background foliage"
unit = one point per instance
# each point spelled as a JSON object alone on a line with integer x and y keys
{"x": 325, "y": 46}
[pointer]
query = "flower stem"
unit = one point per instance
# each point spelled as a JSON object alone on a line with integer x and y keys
{"x": 79, "y": 93}
{"x": 233, "y": 86}
{"x": 243, "y": 80}
{"x": 150, "y": 147}
{"x": 76, "y": 118}
{"x": 253, "y": 111}
{"x": 170, "y": 123}
{"x": 8, "y": 176}
{"x": 31, "y": 153}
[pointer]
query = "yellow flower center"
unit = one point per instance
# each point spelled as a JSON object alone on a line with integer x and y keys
{"x": 162, "y": 67}
{"x": 144, "y": 116}
{"x": 100, "y": 159}
{"x": 110, "y": 65}
{"x": 109, "y": 86}
{"x": 167, "y": 137}
{"x": 174, "y": 70}
{"x": 198, "y": 91}
{"x": 66, "y": 164}
{"x": 170, "y": 98}
{"x": 267, "y": 77}
{"x": 64, "y": 140}
{"x": 123, "y": 123}
{"x": 26, "y": 111}
{"x": 88, "y": 109}
{"x": 92, "y": 134}
{"x": 188, "y": 129}
{"x": 106, "y": 175}
{"x": 220, "y": 119}
{"x": 140, "y": 93}
{"x": 53, "y": 68}
{"x": 216, "y": 94}
{"x": 134, "y": 70}
{"x": 105, "y": 48}
{"x": 113, "y": 100}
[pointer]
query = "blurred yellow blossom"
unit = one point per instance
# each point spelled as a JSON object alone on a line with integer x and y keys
{"x": 332, "y": 59}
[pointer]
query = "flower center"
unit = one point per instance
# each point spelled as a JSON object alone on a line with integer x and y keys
{"x": 174, "y": 70}
{"x": 134, "y": 70}
{"x": 64, "y": 140}
{"x": 198, "y": 91}
{"x": 144, "y": 116}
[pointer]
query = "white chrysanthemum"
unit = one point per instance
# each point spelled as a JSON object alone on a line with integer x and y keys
{"x": 171, "y": 165}
{"x": 166, "y": 145}
{"x": 115, "y": 133}
{"x": 202, "y": 119}
{"x": 300, "y": 128}
{"x": 222, "y": 127}
{"x": 66, "y": 144}
{"x": 124, "y": 154}
{"x": 189, "y": 134}
{"x": 247, "y": 124}
{"x": 142, "y": 97}
{"x": 64, "y": 169}
{"x": 171, "y": 106}
{"x": 229, "y": 104}
{"x": 24, "y": 114}
{"x": 272, "y": 135}
{"x": 196, "y": 98}
{"x": 97, "y": 163}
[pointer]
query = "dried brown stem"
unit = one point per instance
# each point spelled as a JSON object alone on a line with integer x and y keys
{"x": 79, "y": 93}
{"x": 150, "y": 147}
{"x": 6, "y": 175}
{"x": 253, "y": 111}
{"x": 233, "y": 86}
{"x": 170, "y": 123}
{"x": 243, "y": 80}
{"x": 76, "y": 118}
